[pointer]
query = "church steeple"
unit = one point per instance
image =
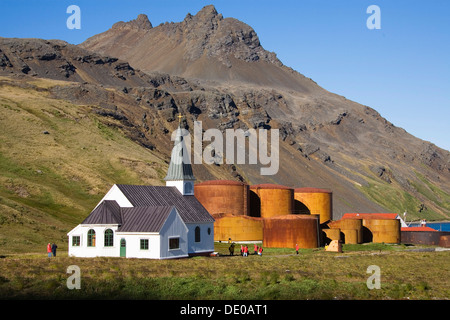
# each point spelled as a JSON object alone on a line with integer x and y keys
{"x": 180, "y": 172}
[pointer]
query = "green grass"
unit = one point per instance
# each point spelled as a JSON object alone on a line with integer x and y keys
{"x": 435, "y": 194}
{"x": 393, "y": 198}
{"x": 278, "y": 274}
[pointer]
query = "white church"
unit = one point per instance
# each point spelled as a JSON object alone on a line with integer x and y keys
{"x": 155, "y": 222}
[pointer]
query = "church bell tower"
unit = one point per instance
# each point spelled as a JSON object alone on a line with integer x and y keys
{"x": 180, "y": 173}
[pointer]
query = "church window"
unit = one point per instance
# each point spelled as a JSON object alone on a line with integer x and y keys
{"x": 76, "y": 241}
{"x": 174, "y": 243}
{"x": 109, "y": 238}
{"x": 91, "y": 238}
{"x": 209, "y": 231}
{"x": 144, "y": 244}
{"x": 197, "y": 234}
{"x": 187, "y": 187}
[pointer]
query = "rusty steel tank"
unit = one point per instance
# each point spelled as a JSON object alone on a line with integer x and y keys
{"x": 314, "y": 201}
{"x": 414, "y": 235}
{"x": 288, "y": 230}
{"x": 223, "y": 196}
{"x": 381, "y": 230}
{"x": 271, "y": 200}
{"x": 237, "y": 228}
{"x": 330, "y": 235}
{"x": 351, "y": 230}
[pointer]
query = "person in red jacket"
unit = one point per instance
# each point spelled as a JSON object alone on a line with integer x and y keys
{"x": 260, "y": 250}
{"x": 296, "y": 248}
{"x": 49, "y": 250}
{"x": 255, "y": 248}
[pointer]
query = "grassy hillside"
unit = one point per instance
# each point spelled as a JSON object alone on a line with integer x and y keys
{"x": 392, "y": 196}
{"x": 57, "y": 160}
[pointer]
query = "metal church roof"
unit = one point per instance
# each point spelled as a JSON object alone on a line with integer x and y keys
{"x": 107, "y": 212}
{"x": 189, "y": 208}
{"x": 144, "y": 219}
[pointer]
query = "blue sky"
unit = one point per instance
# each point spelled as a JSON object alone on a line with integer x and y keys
{"x": 401, "y": 70}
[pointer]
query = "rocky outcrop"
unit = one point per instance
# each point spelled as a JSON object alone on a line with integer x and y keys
{"x": 140, "y": 23}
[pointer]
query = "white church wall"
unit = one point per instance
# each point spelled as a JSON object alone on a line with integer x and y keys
{"x": 115, "y": 194}
{"x": 133, "y": 244}
{"x": 176, "y": 183}
{"x": 98, "y": 249}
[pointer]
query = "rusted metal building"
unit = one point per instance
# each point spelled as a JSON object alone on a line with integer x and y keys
{"x": 223, "y": 196}
{"x": 288, "y": 230}
{"x": 237, "y": 228}
{"x": 350, "y": 230}
{"x": 314, "y": 201}
{"x": 271, "y": 200}
{"x": 425, "y": 235}
{"x": 378, "y": 227}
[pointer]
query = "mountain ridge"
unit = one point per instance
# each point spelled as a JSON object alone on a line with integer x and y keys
{"x": 326, "y": 140}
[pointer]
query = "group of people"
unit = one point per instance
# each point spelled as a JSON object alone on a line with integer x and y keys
{"x": 257, "y": 249}
{"x": 244, "y": 250}
{"x": 51, "y": 249}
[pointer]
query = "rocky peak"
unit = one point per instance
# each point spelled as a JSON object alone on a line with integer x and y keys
{"x": 140, "y": 23}
{"x": 208, "y": 13}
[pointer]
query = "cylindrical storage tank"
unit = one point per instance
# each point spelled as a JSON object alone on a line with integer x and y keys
{"x": 351, "y": 229}
{"x": 350, "y": 236}
{"x": 382, "y": 230}
{"x": 331, "y": 234}
{"x": 423, "y": 237}
{"x": 223, "y": 196}
{"x": 272, "y": 200}
{"x": 317, "y": 201}
{"x": 237, "y": 228}
{"x": 287, "y": 231}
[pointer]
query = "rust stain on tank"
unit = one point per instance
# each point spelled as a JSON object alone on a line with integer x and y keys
{"x": 237, "y": 228}
{"x": 314, "y": 201}
{"x": 289, "y": 230}
{"x": 425, "y": 237}
{"x": 223, "y": 196}
{"x": 270, "y": 200}
{"x": 381, "y": 230}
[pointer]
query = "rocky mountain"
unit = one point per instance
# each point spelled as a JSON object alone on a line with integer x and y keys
{"x": 204, "y": 46}
{"x": 136, "y": 79}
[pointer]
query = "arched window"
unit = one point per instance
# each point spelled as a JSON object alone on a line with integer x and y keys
{"x": 91, "y": 238}
{"x": 109, "y": 238}
{"x": 197, "y": 234}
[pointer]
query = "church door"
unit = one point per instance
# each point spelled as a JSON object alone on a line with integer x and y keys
{"x": 123, "y": 248}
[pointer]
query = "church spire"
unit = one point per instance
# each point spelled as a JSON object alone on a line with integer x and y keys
{"x": 180, "y": 172}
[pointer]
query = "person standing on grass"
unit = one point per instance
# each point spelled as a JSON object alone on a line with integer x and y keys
{"x": 49, "y": 250}
{"x": 296, "y": 248}
{"x": 54, "y": 246}
{"x": 231, "y": 249}
{"x": 260, "y": 250}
